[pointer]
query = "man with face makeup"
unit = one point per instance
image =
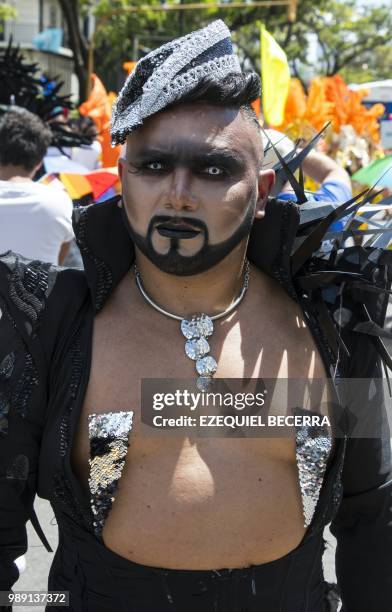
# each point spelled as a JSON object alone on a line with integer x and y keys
{"x": 214, "y": 524}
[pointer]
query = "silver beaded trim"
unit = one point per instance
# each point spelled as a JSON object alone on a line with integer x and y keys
{"x": 184, "y": 83}
{"x": 188, "y": 48}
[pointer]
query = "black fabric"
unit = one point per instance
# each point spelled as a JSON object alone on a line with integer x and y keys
{"x": 102, "y": 581}
{"x": 46, "y": 330}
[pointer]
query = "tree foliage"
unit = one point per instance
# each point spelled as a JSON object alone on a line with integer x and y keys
{"x": 349, "y": 36}
{"x": 6, "y": 12}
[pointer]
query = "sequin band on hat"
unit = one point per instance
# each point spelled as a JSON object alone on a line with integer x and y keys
{"x": 169, "y": 72}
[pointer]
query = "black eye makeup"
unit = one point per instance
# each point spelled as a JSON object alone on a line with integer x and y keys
{"x": 216, "y": 165}
{"x": 155, "y": 166}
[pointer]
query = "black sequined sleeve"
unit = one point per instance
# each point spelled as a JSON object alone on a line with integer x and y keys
{"x": 39, "y": 304}
{"x": 22, "y": 407}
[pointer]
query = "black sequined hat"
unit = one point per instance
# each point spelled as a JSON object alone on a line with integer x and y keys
{"x": 169, "y": 72}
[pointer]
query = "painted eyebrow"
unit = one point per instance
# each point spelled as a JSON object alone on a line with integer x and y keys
{"x": 191, "y": 155}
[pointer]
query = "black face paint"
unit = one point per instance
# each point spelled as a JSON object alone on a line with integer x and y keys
{"x": 196, "y": 158}
{"x": 188, "y": 155}
{"x": 208, "y": 255}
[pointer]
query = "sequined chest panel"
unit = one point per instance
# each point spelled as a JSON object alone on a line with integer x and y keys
{"x": 109, "y": 432}
{"x": 313, "y": 448}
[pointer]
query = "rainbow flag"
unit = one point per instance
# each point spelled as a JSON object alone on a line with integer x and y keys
{"x": 100, "y": 184}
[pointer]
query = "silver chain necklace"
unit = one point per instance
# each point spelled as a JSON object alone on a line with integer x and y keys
{"x": 196, "y": 331}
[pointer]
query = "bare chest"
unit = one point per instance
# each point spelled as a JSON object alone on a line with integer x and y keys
{"x": 170, "y": 484}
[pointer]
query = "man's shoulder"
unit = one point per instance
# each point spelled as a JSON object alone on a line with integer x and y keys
{"x": 283, "y": 314}
{"x": 30, "y": 288}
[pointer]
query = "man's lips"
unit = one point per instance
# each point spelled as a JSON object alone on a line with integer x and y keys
{"x": 177, "y": 230}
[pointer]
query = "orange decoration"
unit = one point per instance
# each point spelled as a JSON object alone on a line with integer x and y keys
{"x": 99, "y": 108}
{"x": 256, "y": 105}
{"x": 296, "y": 101}
{"x": 129, "y": 67}
{"x": 329, "y": 99}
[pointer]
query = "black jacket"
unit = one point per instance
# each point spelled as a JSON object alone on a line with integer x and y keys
{"x": 46, "y": 316}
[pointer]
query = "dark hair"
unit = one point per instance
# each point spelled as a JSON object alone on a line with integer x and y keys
{"x": 24, "y": 138}
{"x": 238, "y": 89}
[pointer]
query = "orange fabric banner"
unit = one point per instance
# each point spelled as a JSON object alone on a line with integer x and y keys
{"x": 98, "y": 106}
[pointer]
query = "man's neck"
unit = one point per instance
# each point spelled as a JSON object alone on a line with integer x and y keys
{"x": 210, "y": 292}
{"x": 16, "y": 174}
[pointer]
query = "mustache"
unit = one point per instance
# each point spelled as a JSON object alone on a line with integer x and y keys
{"x": 190, "y": 222}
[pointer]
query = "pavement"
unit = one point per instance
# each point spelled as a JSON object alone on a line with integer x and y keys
{"x": 38, "y": 560}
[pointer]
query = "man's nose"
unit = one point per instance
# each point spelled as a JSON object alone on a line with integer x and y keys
{"x": 180, "y": 194}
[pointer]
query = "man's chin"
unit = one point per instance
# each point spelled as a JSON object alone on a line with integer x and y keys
{"x": 205, "y": 258}
{"x": 178, "y": 265}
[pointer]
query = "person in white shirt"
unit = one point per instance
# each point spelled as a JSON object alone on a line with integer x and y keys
{"x": 35, "y": 219}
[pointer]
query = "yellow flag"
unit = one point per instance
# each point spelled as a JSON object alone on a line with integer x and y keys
{"x": 275, "y": 78}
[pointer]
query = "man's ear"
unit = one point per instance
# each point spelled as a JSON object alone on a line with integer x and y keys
{"x": 265, "y": 185}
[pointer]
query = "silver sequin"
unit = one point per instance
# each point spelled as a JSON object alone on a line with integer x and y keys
{"x": 108, "y": 433}
{"x": 105, "y": 469}
{"x": 312, "y": 450}
{"x": 109, "y": 424}
{"x": 7, "y": 366}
